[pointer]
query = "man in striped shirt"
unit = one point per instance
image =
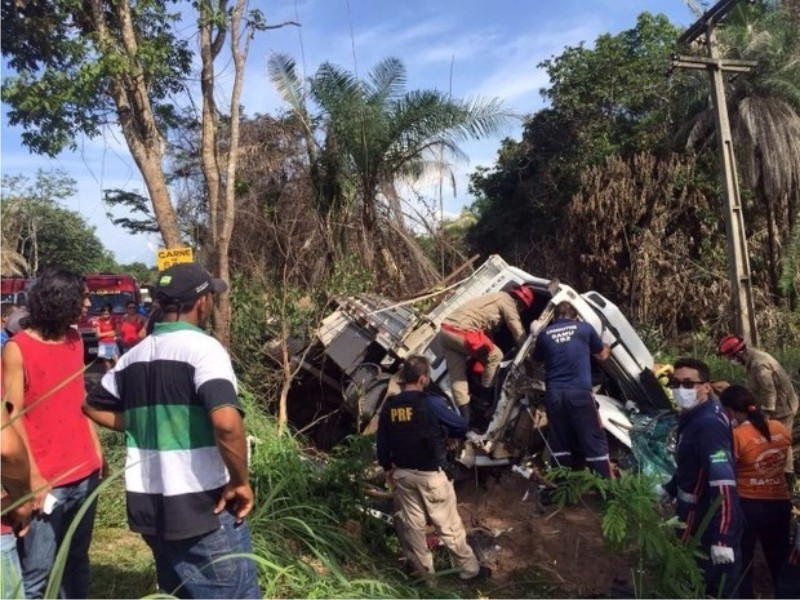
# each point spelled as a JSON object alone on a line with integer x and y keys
{"x": 188, "y": 493}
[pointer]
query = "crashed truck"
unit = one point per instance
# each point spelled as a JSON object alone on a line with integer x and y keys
{"x": 365, "y": 340}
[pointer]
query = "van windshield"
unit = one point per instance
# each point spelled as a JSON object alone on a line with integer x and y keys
{"x": 117, "y": 300}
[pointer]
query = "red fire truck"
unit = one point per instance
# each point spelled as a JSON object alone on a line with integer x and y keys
{"x": 106, "y": 288}
{"x": 14, "y": 289}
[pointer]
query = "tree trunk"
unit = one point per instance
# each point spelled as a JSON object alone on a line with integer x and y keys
{"x": 239, "y": 50}
{"x": 139, "y": 127}
{"x": 210, "y": 46}
{"x": 129, "y": 91}
{"x": 153, "y": 175}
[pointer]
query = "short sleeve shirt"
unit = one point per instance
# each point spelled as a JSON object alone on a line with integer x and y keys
{"x": 566, "y": 347}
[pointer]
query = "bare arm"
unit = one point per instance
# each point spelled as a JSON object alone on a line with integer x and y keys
{"x": 16, "y": 477}
{"x": 15, "y": 463}
{"x": 14, "y": 382}
{"x": 604, "y": 353}
{"x": 232, "y": 443}
{"x": 104, "y": 418}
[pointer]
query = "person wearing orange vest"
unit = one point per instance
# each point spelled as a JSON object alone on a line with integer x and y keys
{"x": 770, "y": 384}
{"x": 760, "y": 446}
{"x": 465, "y": 334}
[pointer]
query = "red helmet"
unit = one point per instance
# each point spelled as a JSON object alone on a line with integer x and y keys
{"x": 730, "y": 345}
{"x": 524, "y": 294}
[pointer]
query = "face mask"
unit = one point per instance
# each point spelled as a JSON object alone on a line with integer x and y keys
{"x": 686, "y": 399}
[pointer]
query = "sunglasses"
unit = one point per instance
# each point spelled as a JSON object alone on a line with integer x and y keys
{"x": 686, "y": 384}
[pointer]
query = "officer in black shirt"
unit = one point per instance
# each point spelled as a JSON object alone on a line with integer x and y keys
{"x": 412, "y": 444}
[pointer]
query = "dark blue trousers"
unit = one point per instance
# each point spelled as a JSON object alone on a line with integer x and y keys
{"x": 767, "y": 521}
{"x": 573, "y": 425}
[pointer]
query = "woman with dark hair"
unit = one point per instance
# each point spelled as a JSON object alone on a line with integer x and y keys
{"x": 131, "y": 328}
{"x": 760, "y": 447}
{"x": 106, "y": 337}
{"x": 43, "y": 379}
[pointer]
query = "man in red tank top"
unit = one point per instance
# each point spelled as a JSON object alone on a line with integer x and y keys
{"x": 43, "y": 379}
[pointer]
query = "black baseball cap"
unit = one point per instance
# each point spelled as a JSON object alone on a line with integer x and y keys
{"x": 186, "y": 282}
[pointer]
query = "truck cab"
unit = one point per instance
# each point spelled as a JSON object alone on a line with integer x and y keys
{"x": 106, "y": 288}
{"x": 13, "y": 290}
{"x": 363, "y": 344}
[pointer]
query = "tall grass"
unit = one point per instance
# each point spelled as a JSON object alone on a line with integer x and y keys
{"x": 301, "y": 545}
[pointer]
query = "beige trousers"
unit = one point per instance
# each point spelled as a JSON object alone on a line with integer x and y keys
{"x": 421, "y": 496}
{"x": 788, "y": 422}
{"x": 455, "y": 354}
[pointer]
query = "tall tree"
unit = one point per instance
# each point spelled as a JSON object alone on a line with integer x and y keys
{"x": 375, "y": 134}
{"x": 81, "y": 66}
{"x": 40, "y": 231}
{"x": 764, "y": 109}
{"x": 219, "y": 157}
{"x": 609, "y": 99}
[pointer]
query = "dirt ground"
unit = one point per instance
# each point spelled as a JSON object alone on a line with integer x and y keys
{"x": 567, "y": 545}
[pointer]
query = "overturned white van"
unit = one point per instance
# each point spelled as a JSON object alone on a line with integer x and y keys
{"x": 367, "y": 337}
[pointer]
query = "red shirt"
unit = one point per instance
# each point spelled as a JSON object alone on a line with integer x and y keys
{"x": 58, "y": 432}
{"x": 106, "y": 330}
{"x": 760, "y": 463}
{"x": 129, "y": 330}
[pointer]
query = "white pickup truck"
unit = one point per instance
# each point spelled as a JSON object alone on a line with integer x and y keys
{"x": 367, "y": 337}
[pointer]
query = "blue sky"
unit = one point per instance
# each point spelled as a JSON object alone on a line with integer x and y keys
{"x": 492, "y": 46}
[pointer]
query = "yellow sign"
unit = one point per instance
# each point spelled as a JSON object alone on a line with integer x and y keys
{"x": 173, "y": 256}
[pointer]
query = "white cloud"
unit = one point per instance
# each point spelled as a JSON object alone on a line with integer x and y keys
{"x": 516, "y": 78}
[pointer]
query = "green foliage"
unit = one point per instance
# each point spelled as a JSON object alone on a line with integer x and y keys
{"x": 373, "y": 133}
{"x": 248, "y": 336}
{"x": 42, "y": 231}
{"x": 632, "y": 522}
{"x": 522, "y": 199}
{"x": 302, "y": 549}
{"x": 342, "y": 479}
{"x": 350, "y": 276}
{"x": 791, "y": 262}
{"x": 144, "y": 275}
{"x": 66, "y": 67}
{"x": 132, "y": 203}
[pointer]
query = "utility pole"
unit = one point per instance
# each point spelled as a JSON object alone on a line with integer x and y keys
{"x": 738, "y": 257}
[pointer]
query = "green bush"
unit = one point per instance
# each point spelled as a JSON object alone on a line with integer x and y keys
{"x": 632, "y": 523}
{"x": 298, "y": 535}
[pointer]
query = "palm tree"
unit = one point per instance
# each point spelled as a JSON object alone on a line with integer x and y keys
{"x": 764, "y": 108}
{"x": 369, "y": 135}
{"x": 14, "y": 224}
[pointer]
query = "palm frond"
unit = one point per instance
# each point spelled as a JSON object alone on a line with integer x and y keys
{"x": 282, "y": 71}
{"x": 386, "y": 80}
{"x": 791, "y": 260}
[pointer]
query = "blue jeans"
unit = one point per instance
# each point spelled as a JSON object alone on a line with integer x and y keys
{"x": 37, "y": 550}
{"x": 185, "y": 570}
{"x": 11, "y": 570}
